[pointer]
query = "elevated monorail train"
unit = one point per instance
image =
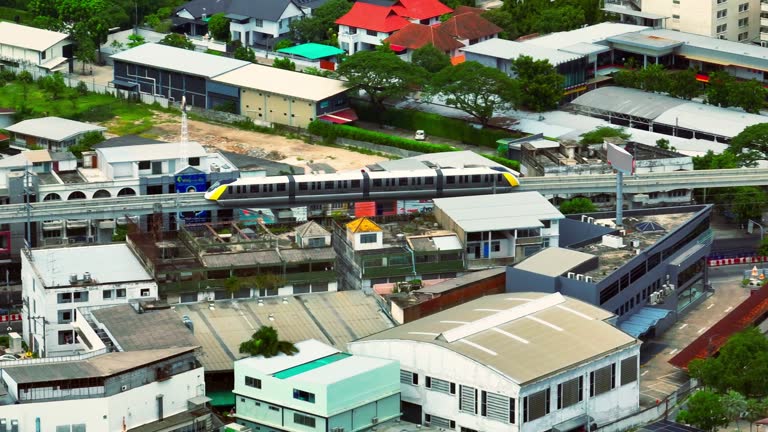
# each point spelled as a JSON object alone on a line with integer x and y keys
{"x": 362, "y": 186}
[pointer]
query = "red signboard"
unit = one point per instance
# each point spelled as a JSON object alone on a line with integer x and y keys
{"x": 11, "y": 317}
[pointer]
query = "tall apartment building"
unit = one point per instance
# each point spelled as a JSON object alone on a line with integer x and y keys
{"x": 734, "y": 20}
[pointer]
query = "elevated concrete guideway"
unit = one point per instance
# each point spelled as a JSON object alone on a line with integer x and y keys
{"x": 116, "y": 207}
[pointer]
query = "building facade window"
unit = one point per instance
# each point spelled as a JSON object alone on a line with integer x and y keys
{"x": 304, "y": 420}
{"x": 602, "y": 380}
{"x": 536, "y": 405}
{"x": 722, "y": 13}
{"x": 743, "y": 22}
{"x": 303, "y": 396}
{"x": 570, "y": 392}
{"x": 497, "y": 407}
{"x": 439, "y": 385}
{"x": 743, "y": 7}
{"x": 629, "y": 370}
{"x": 409, "y": 378}
{"x": 743, "y": 36}
{"x": 367, "y": 238}
{"x": 252, "y": 382}
{"x": 468, "y": 399}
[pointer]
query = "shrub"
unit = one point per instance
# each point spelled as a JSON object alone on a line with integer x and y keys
{"x": 82, "y": 88}
{"x": 509, "y": 163}
{"x": 329, "y": 130}
{"x": 25, "y": 77}
{"x": 7, "y": 75}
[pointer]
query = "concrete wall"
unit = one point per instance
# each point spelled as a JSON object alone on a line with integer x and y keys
{"x": 700, "y": 17}
{"x": 275, "y": 108}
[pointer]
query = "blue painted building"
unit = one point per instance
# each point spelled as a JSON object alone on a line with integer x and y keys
{"x": 648, "y": 274}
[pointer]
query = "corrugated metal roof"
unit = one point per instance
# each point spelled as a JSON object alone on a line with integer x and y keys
{"x": 628, "y": 101}
{"x": 721, "y": 46}
{"x": 149, "y": 330}
{"x": 710, "y": 119}
{"x": 642, "y": 320}
{"x": 283, "y": 82}
{"x": 645, "y": 40}
{"x": 179, "y": 59}
{"x": 591, "y": 34}
{"x": 525, "y": 348}
{"x": 554, "y": 261}
{"x": 53, "y": 128}
{"x": 28, "y": 37}
{"x": 622, "y": 10}
{"x": 507, "y": 49}
{"x": 498, "y": 212}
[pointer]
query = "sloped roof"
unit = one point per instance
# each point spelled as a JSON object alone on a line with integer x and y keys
{"x": 28, "y": 37}
{"x": 469, "y": 25}
{"x": 363, "y": 225}
{"x": 414, "y": 36}
{"x": 270, "y": 10}
{"x": 53, "y": 128}
{"x": 311, "y": 229}
{"x": 179, "y": 60}
{"x": 461, "y": 9}
{"x": 420, "y": 9}
{"x": 372, "y": 17}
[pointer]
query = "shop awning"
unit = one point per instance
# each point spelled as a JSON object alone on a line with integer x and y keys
{"x": 340, "y": 117}
{"x": 573, "y": 424}
{"x": 642, "y": 320}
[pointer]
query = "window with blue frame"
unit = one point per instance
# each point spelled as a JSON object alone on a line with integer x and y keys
{"x": 303, "y": 396}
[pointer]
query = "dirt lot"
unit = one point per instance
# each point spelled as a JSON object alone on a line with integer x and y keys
{"x": 273, "y": 147}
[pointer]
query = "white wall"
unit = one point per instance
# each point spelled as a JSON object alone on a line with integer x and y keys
{"x": 354, "y": 238}
{"x": 700, "y": 16}
{"x": 137, "y": 406}
{"x": 432, "y": 360}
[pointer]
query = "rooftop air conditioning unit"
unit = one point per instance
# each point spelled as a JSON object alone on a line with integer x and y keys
{"x": 623, "y": 233}
{"x": 570, "y": 275}
{"x": 669, "y": 289}
{"x": 637, "y": 251}
{"x": 87, "y": 277}
{"x": 375, "y": 420}
{"x": 72, "y": 278}
{"x": 635, "y": 243}
{"x": 654, "y": 298}
{"x": 588, "y": 278}
{"x": 215, "y": 167}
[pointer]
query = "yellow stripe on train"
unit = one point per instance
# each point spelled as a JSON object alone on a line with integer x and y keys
{"x": 512, "y": 180}
{"x": 217, "y": 193}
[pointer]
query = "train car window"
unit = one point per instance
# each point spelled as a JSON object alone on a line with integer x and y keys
{"x": 377, "y": 182}
{"x": 254, "y": 188}
{"x": 450, "y": 179}
{"x": 355, "y": 183}
{"x": 499, "y": 177}
{"x": 487, "y": 178}
{"x": 344, "y": 184}
{"x": 270, "y": 188}
{"x": 239, "y": 189}
{"x": 281, "y": 187}
{"x": 329, "y": 185}
{"x": 476, "y": 178}
{"x": 403, "y": 181}
{"x": 429, "y": 180}
{"x": 229, "y": 189}
{"x": 303, "y": 186}
{"x": 466, "y": 179}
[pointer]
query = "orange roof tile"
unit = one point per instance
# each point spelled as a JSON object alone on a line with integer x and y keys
{"x": 470, "y": 26}
{"x": 363, "y": 225}
{"x": 414, "y": 36}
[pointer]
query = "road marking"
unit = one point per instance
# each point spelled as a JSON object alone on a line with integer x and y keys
{"x": 643, "y": 374}
{"x": 710, "y": 306}
{"x": 673, "y": 351}
{"x": 730, "y": 308}
{"x": 701, "y": 330}
{"x": 683, "y": 326}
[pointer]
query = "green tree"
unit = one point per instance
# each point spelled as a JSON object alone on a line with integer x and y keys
{"x": 751, "y": 144}
{"x": 747, "y": 95}
{"x": 320, "y": 26}
{"x": 284, "y": 63}
{"x": 430, "y": 58}
{"x": 218, "y": 27}
{"x": 381, "y": 75}
{"x": 577, "y": 206}
{"x": 598, "y": 135}
{"x": 85, "y": 49}
{"x": 718, "y": 89}
{"x": 653, "y": 78}
{"x": 538, "y": 86}
{"x": 742, "y": 365}
{"x": 627, "y": 78}
{"x": 735, "y": 404}
{"x": 473, "y": 88}
{"x": 748, "y": 202}
{"x": 245, "y": 54}
{"x": 560, "y": 19}
{"x": 135, "y": 40}
{"x": 683, "y": 84}
{"x": 757, "y": 409}
{"x": 265, "y": 343}
{"x": 284, "y": 43}
{"x": 232, "y": 284}
{"x": 177, "y": 40}
{"x": 724, "y": 160}
{"x": 663, "y": 144}
{"x": 54, "y": 84}
{"x": 704, "y": 410}
{"x": 86, "y": 143}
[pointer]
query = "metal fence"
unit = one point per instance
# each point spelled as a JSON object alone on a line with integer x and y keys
{"x": 48, "y": 360}
{"x": 650, "y": 414}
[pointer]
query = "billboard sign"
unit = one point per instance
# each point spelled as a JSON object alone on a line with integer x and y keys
{"x": 190, "y": 183}
{"x": 620, "y": 159}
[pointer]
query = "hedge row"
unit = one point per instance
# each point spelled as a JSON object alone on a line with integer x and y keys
{"x": 509, "y": 163}
{"x": 330, "y": 132}
{"x": 432, "y": 124}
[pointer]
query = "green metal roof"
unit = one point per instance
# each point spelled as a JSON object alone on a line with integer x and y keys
{"x": 221, "y": 398}
{"x": 312, "y": 51}
{"x": 306, "y": 367}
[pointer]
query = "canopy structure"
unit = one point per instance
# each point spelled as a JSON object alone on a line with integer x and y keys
{"x": 312, "y": 51}
{"x": 642, "y": 321}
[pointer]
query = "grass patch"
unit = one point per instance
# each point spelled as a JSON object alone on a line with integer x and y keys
{"x": 122, "y": 117}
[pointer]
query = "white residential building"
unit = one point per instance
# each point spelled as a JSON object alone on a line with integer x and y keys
{"x": 33, "y": 46}
{"x": 61, "y": 284}
{"x": 512, "y": 363}
{"x": 53, "y": 133}
{"x": 110, "y": 392}
{"x": 317, "y": 389}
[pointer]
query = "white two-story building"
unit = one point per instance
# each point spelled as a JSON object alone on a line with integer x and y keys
{"x": 59, "y": 285}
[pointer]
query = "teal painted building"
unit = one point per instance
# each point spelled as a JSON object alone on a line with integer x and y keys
{"x": 318, "y": 389}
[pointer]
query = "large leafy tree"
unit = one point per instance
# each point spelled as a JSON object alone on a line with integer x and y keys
{"x": 319, "y": 27}
{"x": 538, "y": 85}
{"x": 430, "y": 58}
{"x": 560, "y": 19}
{"x": 748, "y": 202}
{"x": 519, "y": 18}
{"x": 705, "y": 411}
{"x": 380, "y": 74}
{"x": 266, "y": 343}
{"x": 742, "y": 365}
{"x": 683, "y": 84}
{"x": 577, "y": 206}
{"x": 751, "y": 143}
{"x": 653, "y": 78}
{"x": 177, "y": 40}
{"x": 598, "y": 135}
{"x": 473, "y": 88}
{"x": 724, "y": 160}
{"x": 87, "y": 20}
{"x": 747, "y": 95}
{"x": 718, "y": 89}
{"x": 218, "y": 27}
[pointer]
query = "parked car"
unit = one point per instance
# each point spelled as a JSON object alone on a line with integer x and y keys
{"x": 420, "y": 135}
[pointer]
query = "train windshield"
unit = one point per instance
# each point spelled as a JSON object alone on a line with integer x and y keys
{"x": 219, "y": 183}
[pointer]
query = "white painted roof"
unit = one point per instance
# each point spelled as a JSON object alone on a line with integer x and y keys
{"x": 591, "y": 34}
{"x": 160, "y": 151}
{"x": 53, "y": 128}
{"x": 179, "y": 59}
{"x": 107, "y": 264}
{"x": 309, "y": 350}
{"x": 553, "y": 261}
{"x": 341, "y": 369}
{"x": 28, "y": 37}
{"x": 498, "y": 212}
{"x": 507, "y": 49}
{"x": 283, "y": 82}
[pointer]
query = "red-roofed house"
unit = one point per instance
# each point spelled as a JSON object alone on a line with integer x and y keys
{"x": 366, "y": 25}
{"x": 421, "y": 11}
{"x": 414, "y": 36}
{"x": 470, "y": 28}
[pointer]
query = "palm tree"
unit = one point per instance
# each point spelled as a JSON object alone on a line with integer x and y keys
{"x": 735, "y": 405}
{"x": 265, "y": 343}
